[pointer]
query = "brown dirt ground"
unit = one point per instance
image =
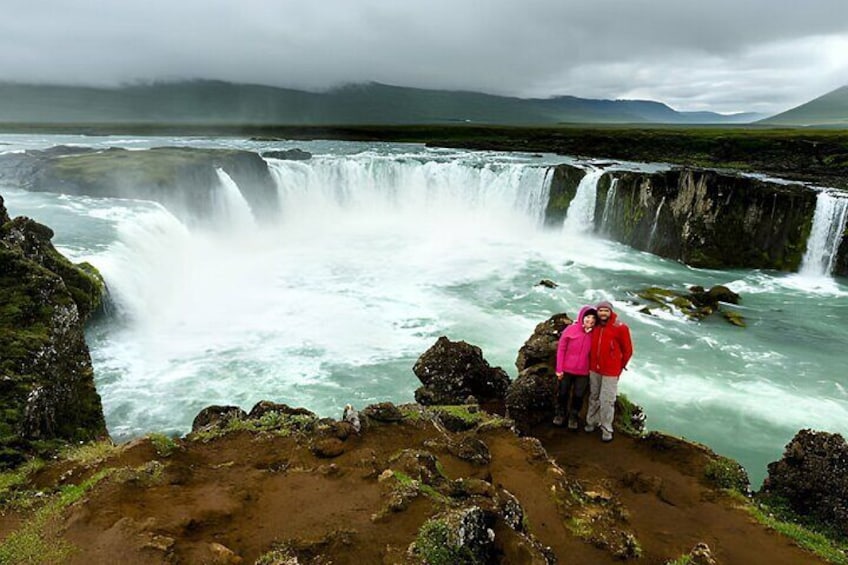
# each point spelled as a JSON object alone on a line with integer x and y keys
{"x": 248, "y": 491}
{"x": 670, "y": 506}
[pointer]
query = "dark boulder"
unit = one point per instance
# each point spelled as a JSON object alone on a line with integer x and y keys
{"x": 327, "y": 448}
{"x": 217, "y": 416}
{"x": 530, "y": 399}
{"x": 4, "y": 215}
{"x": 812, "y": 477}
{"x": 385, "y": 412}
{"x": 295, "y": 154}
{"x": 541, "y": 346}
{"x": 452, "y": 370}
{"x": 472, "y": 450}
{"x": 265, "y": 407}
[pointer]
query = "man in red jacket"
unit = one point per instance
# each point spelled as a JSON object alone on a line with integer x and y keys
{"x": 610, "y": 353}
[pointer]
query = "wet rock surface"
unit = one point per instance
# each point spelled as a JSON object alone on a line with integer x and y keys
{"x": 696, "y": 304}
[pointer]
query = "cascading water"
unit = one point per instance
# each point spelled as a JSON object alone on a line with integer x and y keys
{"x": 580, "y": 217}
{"x": 612, "y": 191}
{"x": 829, "y": 224}
{"x": 654, "y": 226}
{"x": 230, "y": 204}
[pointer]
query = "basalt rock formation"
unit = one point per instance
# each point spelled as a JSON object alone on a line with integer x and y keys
{"x": 708, "y": 219}
{"x": 46, "y": 378}
{"x": 183, "y": 179}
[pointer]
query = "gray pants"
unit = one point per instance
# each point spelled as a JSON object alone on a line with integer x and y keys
{"x": 602, "y": 393}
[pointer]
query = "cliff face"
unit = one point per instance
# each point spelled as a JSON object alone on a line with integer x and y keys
{"x": 708, "y": 219}
{"x": 564, "y": 184}
{"x": 46, "y": 378}
{"x": 181, "y": 178}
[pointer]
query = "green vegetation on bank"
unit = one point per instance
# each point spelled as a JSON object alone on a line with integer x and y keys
{"x": 36, "y": 541}
{"x": 816, "y": 538}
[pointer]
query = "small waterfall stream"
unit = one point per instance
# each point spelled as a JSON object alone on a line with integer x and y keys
{"x": 608, "y": 204}
{"x": 231, "y": 204}
{"x": 580, "y": 218}
{"x": 654, "y": 227}
{"x": 829, "y": 223}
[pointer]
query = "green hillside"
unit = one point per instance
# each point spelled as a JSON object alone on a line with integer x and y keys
{"x": 215, "y": 102}
{"x": 830, "y": 109}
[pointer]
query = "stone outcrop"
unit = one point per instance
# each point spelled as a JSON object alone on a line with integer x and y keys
{"x": 295, "y": 154}
{"x": 813, "y": 477}
{"x": 46, "y": 378}
{"x": 183, "y": 179}
{"x": 563, "y": 188}
{"x": 708, "y": 219}
{"x": 451, "y": 371}
{"x": 530, "y": 399}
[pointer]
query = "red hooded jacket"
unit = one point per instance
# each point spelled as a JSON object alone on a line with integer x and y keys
{"x": 611, "y": 347}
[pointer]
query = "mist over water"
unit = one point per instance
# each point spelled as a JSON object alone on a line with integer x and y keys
{"x": 378, "y": 250}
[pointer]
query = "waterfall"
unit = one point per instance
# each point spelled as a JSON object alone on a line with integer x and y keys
{"x": 230, "y": 204}
{"x": 654, "y": 227}
{"x": 580, "y": 217}
{"x": 608, "y": 204}
{"x": 372, "y": 185}
{"x": 828, "y": 229}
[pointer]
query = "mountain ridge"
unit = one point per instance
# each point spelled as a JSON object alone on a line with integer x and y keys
{"x": 209, "y": 101}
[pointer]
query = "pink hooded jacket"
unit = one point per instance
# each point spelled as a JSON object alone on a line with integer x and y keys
{"x": 573, "y": 348}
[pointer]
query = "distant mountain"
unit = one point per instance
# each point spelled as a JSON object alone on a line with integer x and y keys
{"x": 829, "y": 109}
{"x": 197, "y": 102}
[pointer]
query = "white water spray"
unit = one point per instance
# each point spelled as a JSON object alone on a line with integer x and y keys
{"x": 827, "y": 232}
{"x": 580, "y": 217}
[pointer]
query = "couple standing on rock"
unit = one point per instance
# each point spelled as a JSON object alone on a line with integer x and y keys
{"x": 593, "y": 351}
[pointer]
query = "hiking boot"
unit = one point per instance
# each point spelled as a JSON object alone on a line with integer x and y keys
{"x": 558, "y": 420}
{"x": 572, "y": 423}
{"x": 606, "y": 436}
{"x": 589, "y": 428}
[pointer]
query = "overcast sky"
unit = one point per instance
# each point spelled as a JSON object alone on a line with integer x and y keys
{"x": 720, "y": 55}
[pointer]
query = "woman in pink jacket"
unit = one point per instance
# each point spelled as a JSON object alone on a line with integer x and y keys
{"x": 572, "y": 367}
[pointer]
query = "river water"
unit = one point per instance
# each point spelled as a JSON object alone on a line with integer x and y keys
{"x": 379, "y": 249}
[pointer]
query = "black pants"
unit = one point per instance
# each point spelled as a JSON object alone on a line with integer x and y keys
{"x": 570, "y": 392}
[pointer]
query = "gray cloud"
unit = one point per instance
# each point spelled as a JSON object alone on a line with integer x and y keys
{"x": 761, "y": 55}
